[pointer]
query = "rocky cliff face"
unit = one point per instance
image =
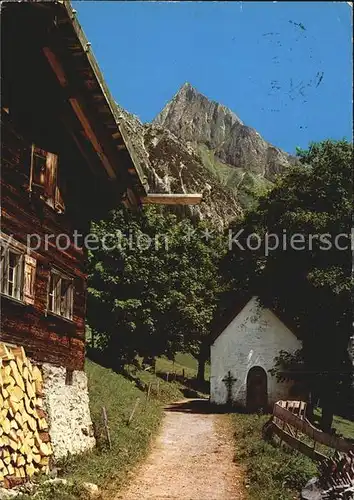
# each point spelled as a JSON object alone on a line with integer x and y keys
{"x": 194, "y": 118}
{"x": 172, "y": 167}
{"x": 198, "y": 145}
{"x": 179, "y": 169}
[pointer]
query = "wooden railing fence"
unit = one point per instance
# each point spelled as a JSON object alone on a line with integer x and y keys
{"x": 336, "y": 472}
{"x": 289, "y": 423}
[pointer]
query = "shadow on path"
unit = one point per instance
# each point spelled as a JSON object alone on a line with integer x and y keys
{"x": 191, "y": 459}
{"x": 198, "y": 406}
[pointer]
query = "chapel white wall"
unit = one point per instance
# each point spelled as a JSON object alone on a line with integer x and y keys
{"x": 254, "y": 338}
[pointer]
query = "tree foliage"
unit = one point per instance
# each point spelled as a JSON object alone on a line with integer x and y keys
{"x": 309, "y": 285}
{"x": 151, "y": 297}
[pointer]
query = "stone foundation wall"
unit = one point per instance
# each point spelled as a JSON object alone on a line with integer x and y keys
{"x": 67, "y": 405}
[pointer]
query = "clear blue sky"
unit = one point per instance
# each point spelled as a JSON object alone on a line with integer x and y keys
{"x": 283, "y": 67}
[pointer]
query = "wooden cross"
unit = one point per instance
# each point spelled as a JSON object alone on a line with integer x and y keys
{"x": 229, "y": 380}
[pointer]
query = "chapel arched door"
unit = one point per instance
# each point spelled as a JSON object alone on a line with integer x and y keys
{"x": 257, "y": 389}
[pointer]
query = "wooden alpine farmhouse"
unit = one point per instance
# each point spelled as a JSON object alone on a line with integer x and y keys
{"x": 66, "y": 159}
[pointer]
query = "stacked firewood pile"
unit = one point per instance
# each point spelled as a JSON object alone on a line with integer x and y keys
{"x": 337, "y": 477}
{"x": 25, "y": 446}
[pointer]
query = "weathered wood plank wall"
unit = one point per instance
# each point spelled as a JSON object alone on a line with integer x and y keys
{"x": 45, "y": 337}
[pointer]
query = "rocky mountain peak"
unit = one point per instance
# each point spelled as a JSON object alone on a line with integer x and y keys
{"x": 196, "y": 145}
{"x": 172, "y": 166}
{"x": 196, "y": 119}
{"x": 193, "y": 117}
{"x": 190, "y": 93}
{"x": 188, "y": 89}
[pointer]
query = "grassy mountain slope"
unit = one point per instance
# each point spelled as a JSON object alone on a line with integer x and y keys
{"x": 244, "y": 185}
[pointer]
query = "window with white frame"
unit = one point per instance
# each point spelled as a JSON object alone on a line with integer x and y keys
{"x": 17, "y": 270}
{"x": 11, "y": 272}
{"x": 61, "y": 294}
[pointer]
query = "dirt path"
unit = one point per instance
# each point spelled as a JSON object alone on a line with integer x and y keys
{"x": 192, "y": 459}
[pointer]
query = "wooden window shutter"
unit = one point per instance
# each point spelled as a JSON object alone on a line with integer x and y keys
{"x": 38, "y": 168}
{"x": 29, "y": 279}
{"x": 59, "y": 202}
{"x": 50, "y": 176}
{"x": 4, "y": 266}
{"x": 44, "y": 167}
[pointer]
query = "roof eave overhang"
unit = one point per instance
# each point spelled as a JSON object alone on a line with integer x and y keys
{"x": 117, "y": 135}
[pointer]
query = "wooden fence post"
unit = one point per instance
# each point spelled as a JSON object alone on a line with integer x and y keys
{"x": 148, "y": 393}
{"x": 167, "y": 376}
{"x": 105, "y": 422}
{"x": 133, "y": 411}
